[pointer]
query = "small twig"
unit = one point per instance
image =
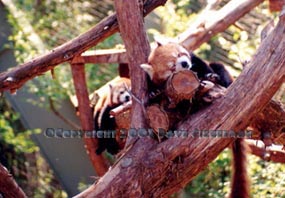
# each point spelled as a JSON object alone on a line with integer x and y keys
{"x": 122, "y": 108}
{"x": 58, "y": 114}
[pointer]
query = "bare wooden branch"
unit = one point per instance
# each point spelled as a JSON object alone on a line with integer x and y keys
{"x": 196, "y": 34}
{"x": 215, "y": 22}
{"x": 138, "y": 48}
{"x": 58, "y": 114}
{"x": 105, "y": 56}
{"x": 86, "y": 118}
{"x": 15, "y": 78}
{"x": 122, "y": 108}
{"x": 8, "y": 186}
{"x": 159, "y": 172}
{"x": 273, "y": 155}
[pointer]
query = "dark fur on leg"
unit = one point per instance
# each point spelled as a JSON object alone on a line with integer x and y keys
{"x": 225, "y": 78}
{"x": 240, "y": 181}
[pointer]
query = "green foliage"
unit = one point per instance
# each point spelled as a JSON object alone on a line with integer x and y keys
{"x": 12, "y": 132}
{"x": 57, "y": 22}
{"x": 213, "y": 181}
{"x": 20, "y": 155}
{"x": 267, "y": 178}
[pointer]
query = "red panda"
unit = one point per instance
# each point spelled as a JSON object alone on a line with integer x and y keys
{"x": 169, "y": 58}
{"x": 104, "y": 100}
{"x": 164, "y": 60}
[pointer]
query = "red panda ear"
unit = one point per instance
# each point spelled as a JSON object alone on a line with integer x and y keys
{"x": 148, "y": 69}
{"x": 158, "y": 44}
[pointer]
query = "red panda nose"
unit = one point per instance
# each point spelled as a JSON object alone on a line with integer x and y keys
{"x": 127, "y": 98}
{"x": 184, "y": 64}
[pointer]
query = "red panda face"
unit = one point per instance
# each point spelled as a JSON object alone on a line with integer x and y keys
{"x": 166, "y": 59}
{"x": 119, "y": 92}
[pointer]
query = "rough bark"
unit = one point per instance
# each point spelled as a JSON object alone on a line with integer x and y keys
{"x": 160, "y": 172}
{"x": 15, "y": 78}
{"x": 181, "y": 86}
{"x": 138, "y": 48}
{"x": 157, "y": 118}
{"x": 270, "y": 124}
{"x": 85, "y": 115}
{"x": 8, "y": 186}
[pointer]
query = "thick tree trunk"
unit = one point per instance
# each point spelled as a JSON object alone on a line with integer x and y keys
{"x": 160, "y": 172}
{"x": 131, "y": 25}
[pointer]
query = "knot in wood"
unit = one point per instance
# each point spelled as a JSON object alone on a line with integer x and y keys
{"x": 126, "y": 162}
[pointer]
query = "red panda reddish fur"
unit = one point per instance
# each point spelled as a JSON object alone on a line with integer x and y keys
{"x": 240, "y": 182}
{"x": 164, "y": 60}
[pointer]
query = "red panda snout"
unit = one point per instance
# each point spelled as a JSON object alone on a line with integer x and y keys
{"x": 183, "y": 63}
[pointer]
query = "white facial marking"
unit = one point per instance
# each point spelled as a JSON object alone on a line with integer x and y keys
{"x": 121, "y": 96}
{"x": 183, "y": 63}
{"x": 183, "y": 50}
{"x": 170, "y": 64}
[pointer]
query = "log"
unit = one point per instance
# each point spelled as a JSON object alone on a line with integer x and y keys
{"x": 16, "y": 77}
{"x": 121, "y": 109}
{"x": 158, "y": 173}
{"x": 157, "y": 118}
{"x": 123, "y": 119}
{"x": 181, "y": 86}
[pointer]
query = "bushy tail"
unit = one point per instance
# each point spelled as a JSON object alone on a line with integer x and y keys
{"x": 240, "y": 185}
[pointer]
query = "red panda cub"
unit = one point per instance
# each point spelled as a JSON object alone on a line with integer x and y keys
{"x": 104, "y": 100}
{"x": 164, "y": 60}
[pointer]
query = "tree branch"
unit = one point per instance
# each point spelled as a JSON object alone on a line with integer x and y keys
{"x": 215, "y": 22}
{"x": 138, "y": 49}
{"x": 194, "y": 36}
{"x": 8, "y": 187}
{"x": 272, "y": 155}
{"x": 15, "y": 78}
{"x": 170, "y": 165}
{"x": 85, "y": 115}
{"x": 160, "y": 172}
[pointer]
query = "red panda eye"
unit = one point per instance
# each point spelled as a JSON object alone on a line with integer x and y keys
{"x": 183, "y": 54}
